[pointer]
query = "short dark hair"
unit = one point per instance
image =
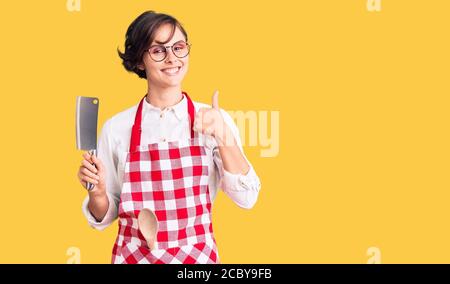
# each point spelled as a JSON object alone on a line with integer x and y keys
{"x": 140, "y": 35}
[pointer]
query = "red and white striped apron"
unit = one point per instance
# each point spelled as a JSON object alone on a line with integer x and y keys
{"x": 171, "y": 180}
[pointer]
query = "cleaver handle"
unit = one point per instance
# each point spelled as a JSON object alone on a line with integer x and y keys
{"x": 90, "y": 186}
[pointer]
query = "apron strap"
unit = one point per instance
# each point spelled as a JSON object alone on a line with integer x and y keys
{"x": 191, "y": 112}
{"x": 136, "y": 130}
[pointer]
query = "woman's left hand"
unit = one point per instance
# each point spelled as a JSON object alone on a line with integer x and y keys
{"x": 209, "y": 121}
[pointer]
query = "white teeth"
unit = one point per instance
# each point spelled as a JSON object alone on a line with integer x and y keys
{"x": 171, "y": 70}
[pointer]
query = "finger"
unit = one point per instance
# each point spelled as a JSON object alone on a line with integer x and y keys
{"x": 88, "y": 179}
{"x": 79, "y": 176}
{"x": 199, "y": 115}
{"x": 90, "y": 174}
{"x": 88, "y": 165}
{"x": 98, "y": 163}
{"x": 198, "y": 120}
{"x": 209, "y": 130}
{"x": 200, "y": 125}
{"x": 203, "y": 116}
{"x": 208, "y": 119}
{"x": 84, "y": 179}
{"x": 215, "y": 100}
{"x": 87, "y": 157}
{"x": 195, "y": 128}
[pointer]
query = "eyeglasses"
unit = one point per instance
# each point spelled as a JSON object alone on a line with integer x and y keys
{"x": 159, "y": 52}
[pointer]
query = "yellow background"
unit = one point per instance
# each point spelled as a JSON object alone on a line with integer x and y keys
{"x": 363, "y": 100}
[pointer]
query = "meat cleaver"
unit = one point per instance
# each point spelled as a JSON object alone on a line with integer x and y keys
{"x": 86, "y": 126}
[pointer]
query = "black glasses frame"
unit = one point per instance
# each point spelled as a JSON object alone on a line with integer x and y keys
{"x": 188, "y": 45}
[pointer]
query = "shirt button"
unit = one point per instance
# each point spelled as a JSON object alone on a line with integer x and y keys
{"x": 163, "y": 139}
{"x": 161, "y": 115}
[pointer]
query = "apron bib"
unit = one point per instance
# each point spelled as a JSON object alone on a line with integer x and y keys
{"x": 171, "y": 180}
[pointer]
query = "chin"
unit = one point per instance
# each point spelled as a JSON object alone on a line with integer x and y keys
{"x": 173, "y": 83}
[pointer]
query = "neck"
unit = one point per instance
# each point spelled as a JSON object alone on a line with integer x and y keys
{"x": 164, "y": 97}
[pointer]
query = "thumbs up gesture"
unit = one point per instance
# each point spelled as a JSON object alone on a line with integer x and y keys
{"x": 209, "y": 121}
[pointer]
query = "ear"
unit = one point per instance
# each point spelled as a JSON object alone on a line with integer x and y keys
{"x": 141, "y": 67}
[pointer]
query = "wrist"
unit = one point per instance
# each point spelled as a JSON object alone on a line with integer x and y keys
{"x": 97, "y": 193}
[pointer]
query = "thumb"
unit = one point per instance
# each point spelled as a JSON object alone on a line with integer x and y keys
{"x": 215, "y": 100}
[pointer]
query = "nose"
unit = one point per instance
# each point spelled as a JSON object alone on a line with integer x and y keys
{"x": 170, "y": 55}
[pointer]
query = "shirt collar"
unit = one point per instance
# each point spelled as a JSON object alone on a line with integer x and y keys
{"x": 180, "y": 109}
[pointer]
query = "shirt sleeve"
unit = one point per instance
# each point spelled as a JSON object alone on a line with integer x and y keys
{"x": 243, "y": 189}
{"x": 105, "y": 152}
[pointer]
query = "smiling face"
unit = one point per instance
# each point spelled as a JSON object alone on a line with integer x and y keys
{"x": 170, "y": 71}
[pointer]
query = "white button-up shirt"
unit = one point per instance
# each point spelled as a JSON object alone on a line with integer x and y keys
{"x": 170, "y": 124}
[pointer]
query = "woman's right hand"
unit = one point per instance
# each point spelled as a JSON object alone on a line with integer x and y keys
{"x": 93, "y": 174}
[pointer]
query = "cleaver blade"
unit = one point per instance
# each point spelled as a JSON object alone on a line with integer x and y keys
{"x": 86, "y": 126}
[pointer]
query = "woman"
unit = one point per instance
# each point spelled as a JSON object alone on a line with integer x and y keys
{"x": 167, "y": 155}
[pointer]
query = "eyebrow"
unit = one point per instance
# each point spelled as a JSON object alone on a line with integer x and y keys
{"x": 160, "y": 42}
